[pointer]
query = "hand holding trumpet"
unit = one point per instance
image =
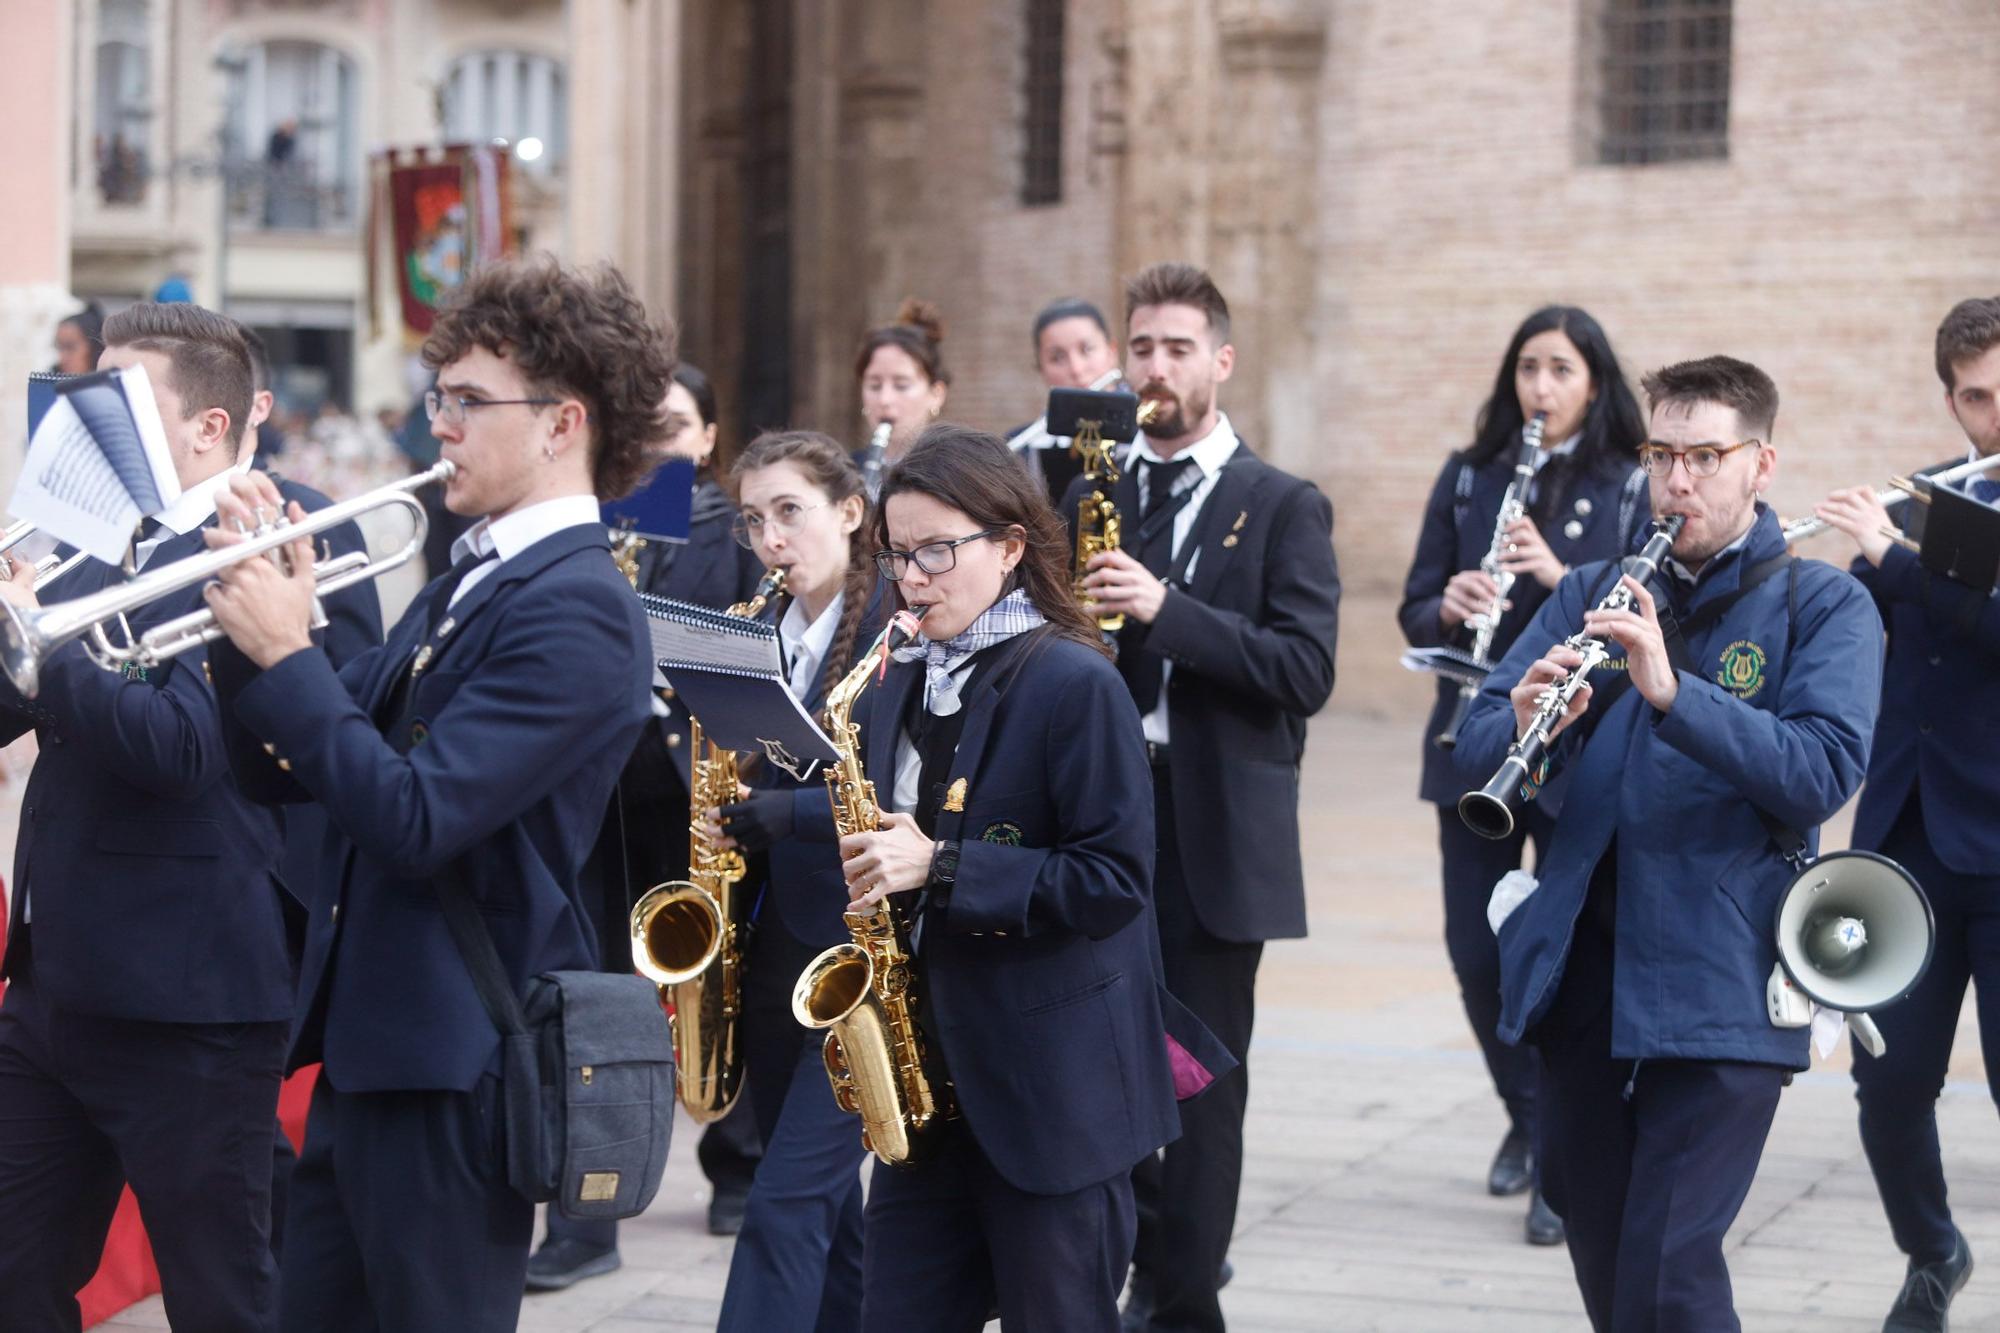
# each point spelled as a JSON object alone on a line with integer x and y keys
{"x": 264, "y": 606}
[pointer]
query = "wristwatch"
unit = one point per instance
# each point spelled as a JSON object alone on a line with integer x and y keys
{"x": 944, "y": 871}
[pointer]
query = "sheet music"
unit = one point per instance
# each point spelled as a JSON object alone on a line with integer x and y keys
{"x": 98, "y": 463}
{"x": 726, "y": 671}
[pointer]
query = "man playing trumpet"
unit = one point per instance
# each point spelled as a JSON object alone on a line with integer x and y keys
{"x": 1933, "y": 784}
{"x": 480, "y": 744}
{"x": 1638, "y": 966}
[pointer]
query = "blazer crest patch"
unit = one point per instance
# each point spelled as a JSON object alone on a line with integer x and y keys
{"x": 1003, "y": 831}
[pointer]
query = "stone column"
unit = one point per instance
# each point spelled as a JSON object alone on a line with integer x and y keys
{"x": 1264, "y": 220}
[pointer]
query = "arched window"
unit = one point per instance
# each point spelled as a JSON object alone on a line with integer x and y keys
{"x": 296, "y": 154}
{"x": 121, "y": 126}
{"x": 509, "y": 95}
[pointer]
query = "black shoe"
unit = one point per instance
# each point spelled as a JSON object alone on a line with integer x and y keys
{"x": 1138, "y": 1312}
{"x": 564, "y": 1262}
{"x": 1543, "y": 1226}
{"x": 1927, "y": 1291}
{"x": 725, "y": 1213}
{"x": 1513, "y": 1166}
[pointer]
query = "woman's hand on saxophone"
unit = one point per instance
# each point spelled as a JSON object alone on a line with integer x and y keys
{"x": 894, "y": 859}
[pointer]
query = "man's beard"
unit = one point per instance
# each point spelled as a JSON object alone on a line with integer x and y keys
{"x": 1176, "y": 416}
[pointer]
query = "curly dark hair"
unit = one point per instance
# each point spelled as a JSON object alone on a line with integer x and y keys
{"x": 574, "y": 332}
{"x": 977, "y": 475}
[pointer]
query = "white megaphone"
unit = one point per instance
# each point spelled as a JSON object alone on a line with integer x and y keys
{"x": 1854, "y": 935}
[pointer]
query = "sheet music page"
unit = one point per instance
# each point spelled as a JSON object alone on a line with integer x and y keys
{"x": 98, "y": 463}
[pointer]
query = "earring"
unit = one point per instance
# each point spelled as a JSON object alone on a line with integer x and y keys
{"x": 549, "y": 452}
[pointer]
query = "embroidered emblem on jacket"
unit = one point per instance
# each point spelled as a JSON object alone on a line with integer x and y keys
{"x": 1742, "y": 669}
{"x": 1004, "y": 832}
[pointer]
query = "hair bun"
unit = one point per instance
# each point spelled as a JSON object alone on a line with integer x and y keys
{"x": 922, "y": 316}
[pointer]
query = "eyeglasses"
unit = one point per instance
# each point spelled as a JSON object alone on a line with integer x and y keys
{"x": 1703, "y": 460}
{"x": 932, "y": 557}
{"x": 784, "y": 521}
{"x": 451, "y": 409}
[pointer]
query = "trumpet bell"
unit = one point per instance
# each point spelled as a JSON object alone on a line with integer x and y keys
{"x": 677, "y": 932}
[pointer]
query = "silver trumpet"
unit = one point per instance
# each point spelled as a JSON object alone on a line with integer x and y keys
{"x": 31, "y": 635}
{"x": 51, "y": 566}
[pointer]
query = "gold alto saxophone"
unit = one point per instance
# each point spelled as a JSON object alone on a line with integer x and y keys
{"x": 1098, "y": 526}
{"x": 865, "y": 992}
{"x": 684, "y": 931}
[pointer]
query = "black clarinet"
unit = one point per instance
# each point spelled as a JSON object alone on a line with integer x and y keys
{"x": 1513, "y": 507}
{"x": 1491, "y": 810}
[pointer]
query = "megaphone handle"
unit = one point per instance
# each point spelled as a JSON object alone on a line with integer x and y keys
{"x": 1867, "y": 1034}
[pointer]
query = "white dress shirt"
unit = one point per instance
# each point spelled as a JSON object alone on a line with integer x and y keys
{"x": 511, "y": 534}
{"x": 195, "y": 507}
{"x": 1209, "y": 454}
{"x": 806, "y": 642}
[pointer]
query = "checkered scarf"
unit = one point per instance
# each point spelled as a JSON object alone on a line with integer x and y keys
{"x": 1011, "y": 615}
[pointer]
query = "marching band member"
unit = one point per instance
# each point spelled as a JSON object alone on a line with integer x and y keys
{"x": 1231, "y": 600}
{"x": 1933, "y": 786}
{"x": 142, "y": 1038}
{"x": 644, "y": 838}
{"x": 1639, "y": 965}
{"x": 1073, "y": 350}
{"x": 481, "y": 742}
{"x": 1586, "y": 500}
{"x": 1008, "y": 757}
{"x": 797, "y": 1262}
{"x": 902, "y": 375}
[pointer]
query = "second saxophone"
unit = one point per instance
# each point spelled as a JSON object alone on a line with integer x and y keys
{"x": 684, "y": 931}
{"x": 865, "y": 993}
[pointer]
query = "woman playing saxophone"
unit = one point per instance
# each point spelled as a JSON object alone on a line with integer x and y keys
{"x": 797, "y": 1262}
{"x": 1016, "y": 840}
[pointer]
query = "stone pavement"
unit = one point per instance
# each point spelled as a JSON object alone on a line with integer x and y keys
{"x": 1371, "y": 1125}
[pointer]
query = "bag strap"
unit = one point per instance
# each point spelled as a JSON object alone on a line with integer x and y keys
{"x": 482, "y": 959}
{"x": 1790, "y": 842}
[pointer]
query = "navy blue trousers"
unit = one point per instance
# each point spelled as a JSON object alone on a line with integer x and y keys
{"x": 183, "y": 1111}
{"x": 401, "y": 1218}
{"x": 1186, "y": 1195}
{"x": 1898, "y": 1093}
{"x": 949, "y": 1241}
{"x": 1472, "y": 865}
{"x": 797, "y": 1262}
{"x": 1647, "y": 1164}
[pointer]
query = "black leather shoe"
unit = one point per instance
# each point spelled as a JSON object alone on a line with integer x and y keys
{"x": 725, "y": 1213}
{"x": 1543, "y": 1226}
{"x": 1513, "y": 1168}
{"x": 1927, "y": 1291}
{"x": 1138, "y": 1312}
{"x": 564, "y": 1262}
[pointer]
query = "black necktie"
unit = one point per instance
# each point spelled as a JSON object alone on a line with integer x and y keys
{"x": 449, "y": 585}
{"x": 392, "y": 717}
{"x": 1142, "y": 669}
{"x": 150, "y": 527}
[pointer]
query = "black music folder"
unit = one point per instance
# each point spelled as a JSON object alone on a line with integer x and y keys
{"x": 98, "y": 462}
{"x": 1961, "y": 538}
{"x": 726, "y": 671}
{"x": 1455, "y": 664}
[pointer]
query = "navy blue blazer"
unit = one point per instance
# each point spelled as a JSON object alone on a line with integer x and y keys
{"x": 1939, "y": 731}
{"x": 520, "y": 722}
{"x": 1040, "y": 973}
{"x": 1251, "y": 636}
{"x": 1592, "y": 518}
{"x": 152, "y": 881}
